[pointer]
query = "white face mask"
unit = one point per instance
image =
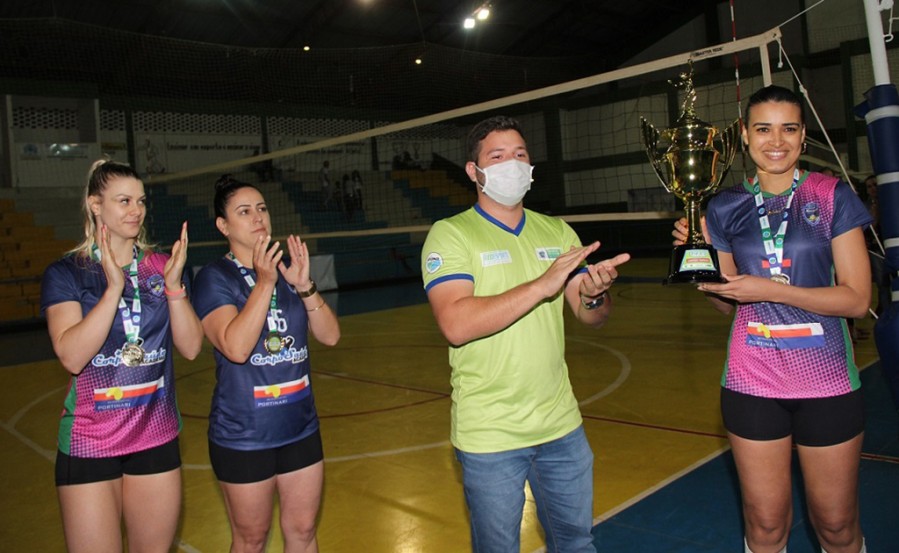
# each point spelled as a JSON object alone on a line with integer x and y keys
{"x": 507, "y": 182}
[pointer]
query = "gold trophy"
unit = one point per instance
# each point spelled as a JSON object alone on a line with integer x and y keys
{"x": 691, "y": 159}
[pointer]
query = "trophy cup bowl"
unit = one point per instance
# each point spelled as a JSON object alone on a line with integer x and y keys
{"x": 691, "y": 159}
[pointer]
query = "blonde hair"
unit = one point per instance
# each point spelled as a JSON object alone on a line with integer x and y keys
{"x": 98, "y": 176}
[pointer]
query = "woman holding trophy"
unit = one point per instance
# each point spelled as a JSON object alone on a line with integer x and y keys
{"x": 794, "y": 264}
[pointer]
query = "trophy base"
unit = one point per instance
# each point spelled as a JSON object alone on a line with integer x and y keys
{"x": 692, "y": 264}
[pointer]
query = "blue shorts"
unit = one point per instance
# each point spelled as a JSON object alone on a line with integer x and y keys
{"x": 814, "y": 422}
{"x": 84, "y": 470}
{"x": 237, "y": 466}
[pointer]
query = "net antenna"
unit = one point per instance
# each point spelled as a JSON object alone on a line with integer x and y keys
{"x": 739, "y": 99}
{"x": 888, "y": 5}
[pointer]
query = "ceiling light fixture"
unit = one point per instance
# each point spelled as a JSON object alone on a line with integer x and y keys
{"x": 481, "y": 13}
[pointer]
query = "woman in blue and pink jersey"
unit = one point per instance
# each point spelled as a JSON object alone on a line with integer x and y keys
{"x": 115, "y": 308}
{"x": 793, "y": 257}
{"x": 264, "y": 435}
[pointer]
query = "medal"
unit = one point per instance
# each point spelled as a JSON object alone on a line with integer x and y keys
{"x": 781, "y": 278}
{"x": 273, "y": 343}
{"x": 132, "y": 351}
{"x": 132, "y": 354}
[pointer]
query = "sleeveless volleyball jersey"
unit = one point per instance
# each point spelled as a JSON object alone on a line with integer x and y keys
{"x": 510, "y": 389}
{"x": 267, "y": 401}
{"x": 776, "y": 350}
{"x": 111, "y": 409}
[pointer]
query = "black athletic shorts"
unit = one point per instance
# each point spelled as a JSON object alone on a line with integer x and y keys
{"x": 812, "y": 422}
{"x": 244, "y": 467}
{"x": 84, "y": 470}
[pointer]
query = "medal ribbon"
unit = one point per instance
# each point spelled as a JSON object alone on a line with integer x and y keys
{"x": 774, "y": 247}
{"x": 273, "y": 303}
{"x": 130, "y": 317}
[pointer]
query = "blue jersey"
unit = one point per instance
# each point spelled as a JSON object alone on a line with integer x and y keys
{"x": 111, "y": 409}
{"x": 778, "y": 350}
{"x": 267, "y": 401}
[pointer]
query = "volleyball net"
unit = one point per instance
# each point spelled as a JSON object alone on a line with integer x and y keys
{"x": 388, "y": 135}
{"x": 368, "y": 195}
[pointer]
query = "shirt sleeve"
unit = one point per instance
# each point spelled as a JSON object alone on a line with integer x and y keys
{"x": 849, "y": 211}
{"x": 445, "y": 256}
{"x": 213, "y": 289}
{"x": 720, "y": 240}
{"x": 59, "y": 284}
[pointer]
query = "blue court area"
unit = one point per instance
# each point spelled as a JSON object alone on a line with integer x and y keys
{"x": 700, "y": 512}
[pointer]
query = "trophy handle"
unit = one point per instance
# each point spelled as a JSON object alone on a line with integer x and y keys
{"x": 730, "y": 138}
{"x": 651, "y": 144}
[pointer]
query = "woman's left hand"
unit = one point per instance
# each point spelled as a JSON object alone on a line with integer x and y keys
{"x": 297, "y": 275}
{"x": 743, "y": 288}
{"x": 174, "y": 267}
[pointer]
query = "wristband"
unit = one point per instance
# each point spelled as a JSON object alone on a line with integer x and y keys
{"x": 176, "y": 295}
{"x": 594, "y": 303}
{"x": 306, "y": 293}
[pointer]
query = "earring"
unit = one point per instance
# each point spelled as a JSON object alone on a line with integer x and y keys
{"x": 804, "y": 147}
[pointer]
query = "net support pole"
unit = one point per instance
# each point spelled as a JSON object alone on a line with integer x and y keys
{"x": 880, "y": 111}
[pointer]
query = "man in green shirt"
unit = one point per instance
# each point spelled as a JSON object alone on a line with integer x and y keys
{"x": 497, "y": 276}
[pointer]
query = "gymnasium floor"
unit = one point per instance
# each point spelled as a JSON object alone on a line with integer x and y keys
{"x": 648, "y": 388}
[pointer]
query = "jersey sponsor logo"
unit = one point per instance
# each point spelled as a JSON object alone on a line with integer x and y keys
{"x": 790, "y": 336}
{"x": 811, "y": 213}
{"x": 498, "y": 257}
{"x": 126, "y": 397}
{"x": 288, "y": 354}
{"x": 433, "y": 262}
{"x": 282, "y": 393}
{"x": 156, "y": 285}
{"x": 150, "y": 358}
{"x": 548, "y": 254}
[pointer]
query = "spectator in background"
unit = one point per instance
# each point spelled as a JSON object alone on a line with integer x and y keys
{"x": 349, "y": 200}
{"x": 357, "y": 188}
{"x": 324, "y": 179}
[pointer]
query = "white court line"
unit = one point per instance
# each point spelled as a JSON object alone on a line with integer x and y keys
{"x": 357, "y": 456}
{"x": 623, "y": 375}
{"x": 624, "y": 371}
{"x": 649, "y": 491}
{"x": 10, "y": 426}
